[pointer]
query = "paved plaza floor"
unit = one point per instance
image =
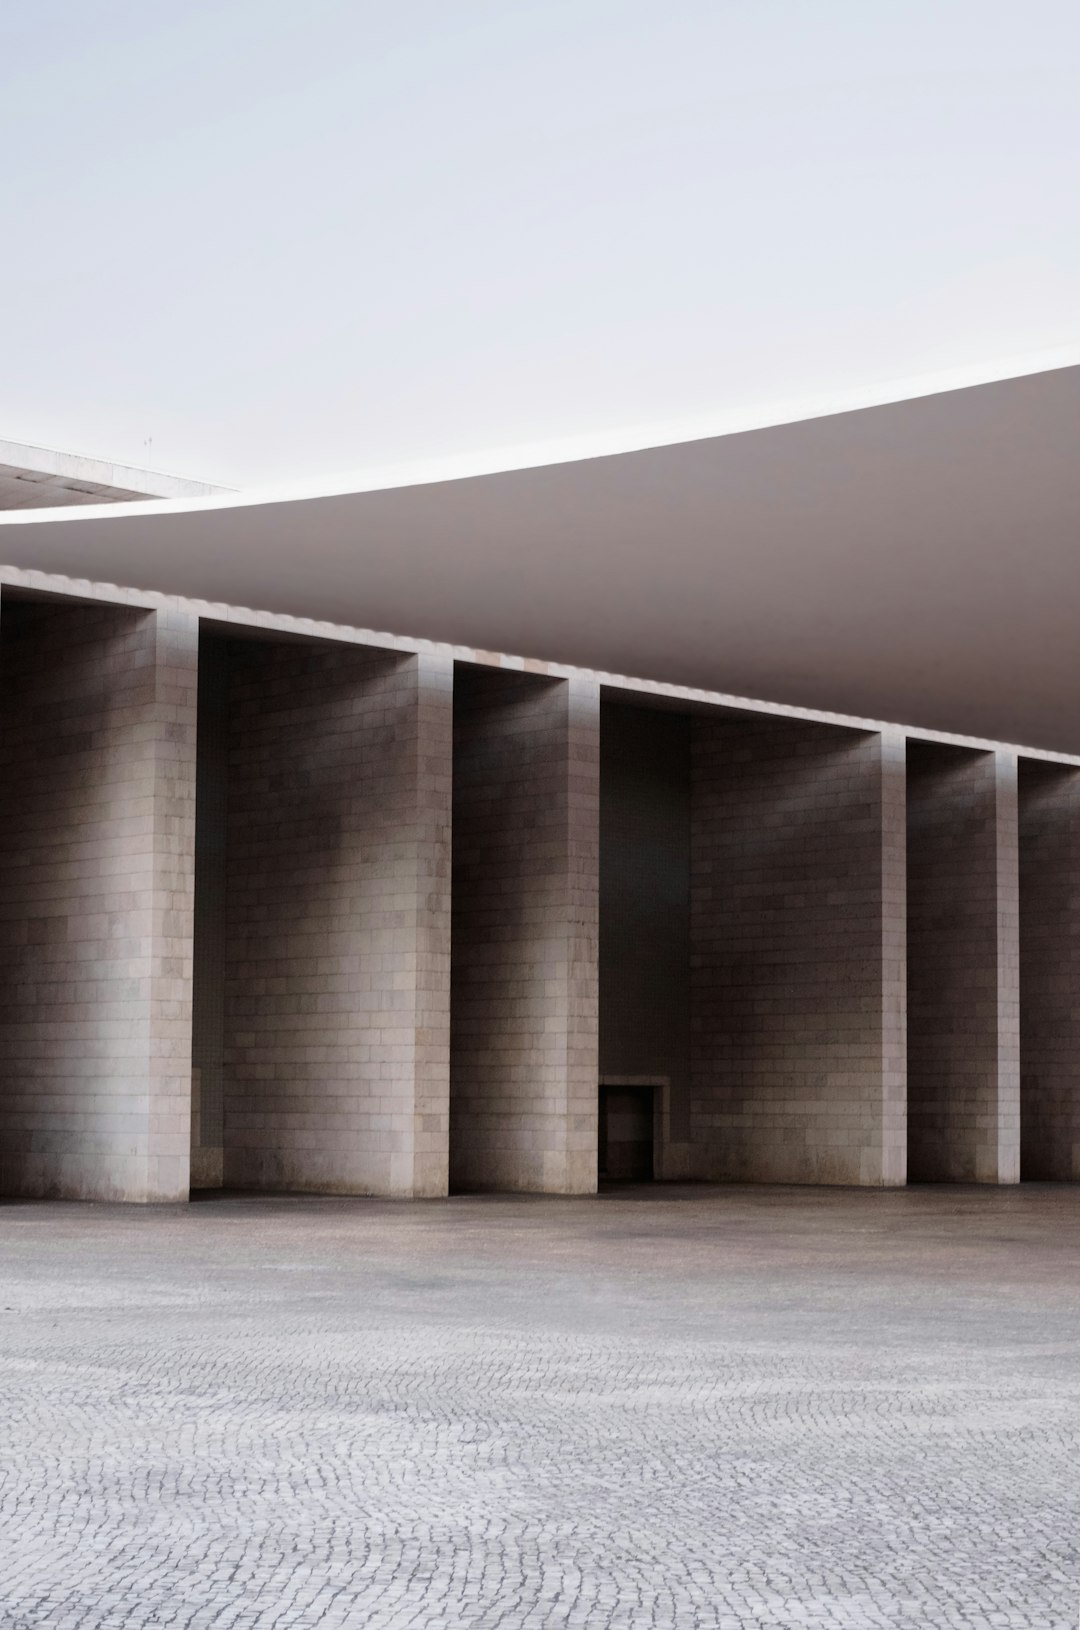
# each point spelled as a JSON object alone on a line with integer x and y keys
{"x": 671, "y": 1406}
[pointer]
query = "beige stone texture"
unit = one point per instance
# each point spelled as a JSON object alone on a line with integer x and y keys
{"x": 797, "y": 953}
{"x": 963, "y": 966}
{"x": 320, "y": 1053}
{"x": 97, "y": 785}
{"x": 337, "y": 920}
{"x": 208, "y": 981}
{"x": 524, "y": 1066}
{"x": 1049, "y": 820}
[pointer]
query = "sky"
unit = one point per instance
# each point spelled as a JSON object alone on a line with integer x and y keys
{"x": 251, "y": 242}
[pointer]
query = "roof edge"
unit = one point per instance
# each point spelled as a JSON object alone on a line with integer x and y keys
{"x": 154, "y": 485}
{"x": 578, "y": 449}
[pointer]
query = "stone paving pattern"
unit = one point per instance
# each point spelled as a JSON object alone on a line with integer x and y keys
{"x": 672, "y": 1407}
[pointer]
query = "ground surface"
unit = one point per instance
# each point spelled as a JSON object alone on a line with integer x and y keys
{"x": 667, "y": 1407}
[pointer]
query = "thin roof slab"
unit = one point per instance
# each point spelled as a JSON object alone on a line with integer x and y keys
{"x": 42, "y": 478}
{"x": 915, "y": 560}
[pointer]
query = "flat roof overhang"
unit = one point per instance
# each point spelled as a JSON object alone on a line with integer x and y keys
{"x": 916, "y": 561}
{"x": 43, "y": 478}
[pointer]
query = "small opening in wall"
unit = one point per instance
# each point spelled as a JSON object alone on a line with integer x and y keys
{"x": 627, "y": 1133}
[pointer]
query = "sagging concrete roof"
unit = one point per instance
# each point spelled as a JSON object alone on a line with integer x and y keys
{"x": 914, "y": 560}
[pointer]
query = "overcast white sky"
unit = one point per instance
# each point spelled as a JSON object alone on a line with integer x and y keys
{"x": 289, "y": 240}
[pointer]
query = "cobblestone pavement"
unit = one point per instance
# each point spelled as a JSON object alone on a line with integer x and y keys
{"x": 671, "y": 1407}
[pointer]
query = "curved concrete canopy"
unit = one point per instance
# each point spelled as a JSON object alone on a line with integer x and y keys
{"x": 915, "y": 561}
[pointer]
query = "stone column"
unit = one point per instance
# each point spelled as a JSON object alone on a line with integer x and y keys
{"x": 208, "y": 981}
{"x": 97, "y": 783}
{"x": 797, "y": 952}
{"x": 963, "y": 966}
{"x": 524, "y": 1075}
{"x": 1049, "y": 971}
{"x": 337, "y": 920}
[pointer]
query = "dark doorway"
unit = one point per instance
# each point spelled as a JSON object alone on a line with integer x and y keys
{"x": 626, "y": 1134}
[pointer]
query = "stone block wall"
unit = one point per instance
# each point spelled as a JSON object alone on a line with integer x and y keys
{"x": 797, "y": 952}
{"x": 524, "y": 982}
{"x": 645, "y": 910}
{"x": 337, "y": 935}
{"x": 97, "y": 812}
{"x": 1049, "y": 820}
{"x": 818, "y": 1008}
{"x": 208, "y": 984}
{"x": 963, "y": 966}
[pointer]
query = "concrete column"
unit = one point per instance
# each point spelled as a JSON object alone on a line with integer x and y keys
{"x": 963, "y": 966}
{"x": 797, "y": 953}
{"x": 337, "y": 908}
{"x": 97, "y": 784}
{"x": 1049, "y": 971}
{"x": 526, "y": 839}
